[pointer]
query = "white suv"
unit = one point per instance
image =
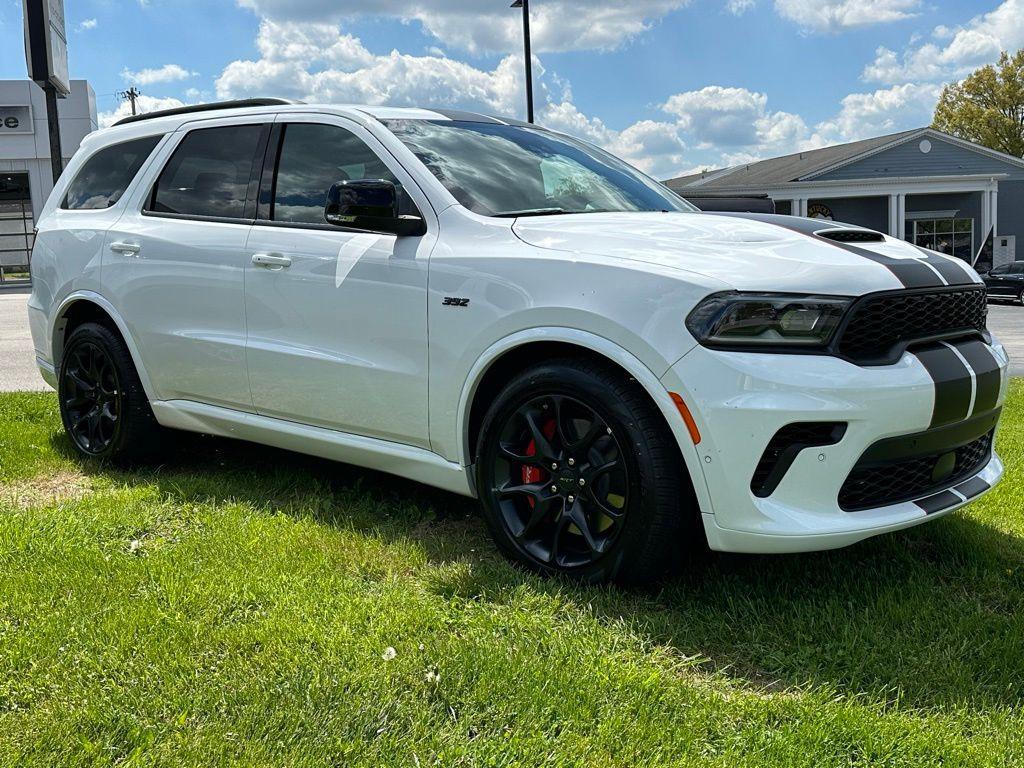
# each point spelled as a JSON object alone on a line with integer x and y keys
{"x": 509, "y": 313}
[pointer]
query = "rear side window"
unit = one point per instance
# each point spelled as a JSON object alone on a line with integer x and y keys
{"x": 209, "y": 173}
{"x": 107, "y": 174}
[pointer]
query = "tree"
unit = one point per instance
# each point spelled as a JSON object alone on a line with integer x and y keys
{"x": 988, "y": 106}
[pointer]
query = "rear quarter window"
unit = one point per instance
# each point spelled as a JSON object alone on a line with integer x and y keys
{"x": 106, "y": 175}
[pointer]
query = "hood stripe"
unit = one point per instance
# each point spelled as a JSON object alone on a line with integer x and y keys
{"x": 926, "y": 271}
{"x": 953, "y": 273}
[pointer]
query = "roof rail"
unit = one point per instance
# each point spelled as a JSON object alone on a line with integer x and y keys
{"x": 236, "y": 104}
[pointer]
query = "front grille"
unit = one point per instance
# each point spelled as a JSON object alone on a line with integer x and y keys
{"x": 878, "y": 484}
{"x": 879, "y": 326}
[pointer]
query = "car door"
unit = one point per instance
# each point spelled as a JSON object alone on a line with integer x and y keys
{"x": 337, "y": 319}
{"x": 177, "y": 262}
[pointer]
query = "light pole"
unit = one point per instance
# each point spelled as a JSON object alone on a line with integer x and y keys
{"x": 525, "y": 5}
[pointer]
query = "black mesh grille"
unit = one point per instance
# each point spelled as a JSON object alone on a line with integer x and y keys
{"x": 852, "y": 236}
{"x": 881, "y": 484}
{"x": 879, "y": 324}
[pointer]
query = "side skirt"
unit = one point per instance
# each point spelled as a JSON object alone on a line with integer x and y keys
{"x": 384, "y": 456}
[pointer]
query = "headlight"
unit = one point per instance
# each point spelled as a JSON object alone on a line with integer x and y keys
{"x": 767, "y": 320}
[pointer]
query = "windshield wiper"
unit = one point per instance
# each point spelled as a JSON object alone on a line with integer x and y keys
{"x": 530, "y": 212}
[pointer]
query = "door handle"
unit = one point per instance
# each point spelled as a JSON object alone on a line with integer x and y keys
{"x": 271, "y": 260}
{"x": 128, "y": 249}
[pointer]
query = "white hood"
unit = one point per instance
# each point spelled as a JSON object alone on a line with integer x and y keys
{"x": 766, "y": 254}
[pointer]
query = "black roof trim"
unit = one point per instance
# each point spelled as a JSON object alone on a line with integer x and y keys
{"x": 211, "y": 107}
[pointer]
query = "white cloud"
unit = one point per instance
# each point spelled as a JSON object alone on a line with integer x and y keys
{"x": 833, "y": 15}
{"x": 555, "y": 25}
{"x": 737, "y": 122}
{"x": 86, "y": 25}
{"x": 143, "y": 103}
{"x": 953, "y": 51}
{"x": 168, "y": 73}
{"x": 739, "y": 7}
{"x": 889, "y": 110}
{"x": 314, "y": 63}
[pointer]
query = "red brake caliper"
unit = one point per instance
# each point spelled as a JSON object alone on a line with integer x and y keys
{"x": 532, "y": 474}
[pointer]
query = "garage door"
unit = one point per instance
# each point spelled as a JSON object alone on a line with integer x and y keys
{"x": 16, "y": 226}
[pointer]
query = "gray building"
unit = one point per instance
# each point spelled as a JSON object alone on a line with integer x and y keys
{"x": 25, "y": 181}
{"x": 924, "y": 186}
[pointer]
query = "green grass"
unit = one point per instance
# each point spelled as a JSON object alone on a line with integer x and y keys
{"x": 236, "y": 607}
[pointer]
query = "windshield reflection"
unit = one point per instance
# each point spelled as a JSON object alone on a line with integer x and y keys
{"x": 514, "y": 170}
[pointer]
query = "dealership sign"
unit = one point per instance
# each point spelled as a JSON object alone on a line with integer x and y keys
{"x": 46, "y": 46}
{"x": 16, "y": 119}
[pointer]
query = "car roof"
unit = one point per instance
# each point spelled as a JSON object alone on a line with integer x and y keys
{"x": 170, "y": 120}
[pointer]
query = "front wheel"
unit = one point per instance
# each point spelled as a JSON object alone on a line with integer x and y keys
{"x": 578, "y": 474}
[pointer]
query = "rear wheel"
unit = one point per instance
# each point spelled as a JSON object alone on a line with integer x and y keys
{"x": 102, "y": 404}
{"x": 1020, "y": 296}
{"x": 578, "y": 474}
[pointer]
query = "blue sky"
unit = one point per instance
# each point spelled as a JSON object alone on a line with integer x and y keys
{"x": 672, "y": 85}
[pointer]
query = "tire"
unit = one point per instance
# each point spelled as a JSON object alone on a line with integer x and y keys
{"x": 1020, "y": 296}
{"x": 640, "y": 515}
{"x": 103, "y": 406}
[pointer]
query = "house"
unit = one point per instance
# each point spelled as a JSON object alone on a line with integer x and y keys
{"x": 924, "y": 186}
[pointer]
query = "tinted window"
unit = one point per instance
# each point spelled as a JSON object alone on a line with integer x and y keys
{"x": 1017, "y": 269}
{"x": 509, "y": 170}
{"x": 1005, "y": 269}
{"x": 107, "y": 174}
{"x": 313, "y": 158}
{"x": 208, "y": 174}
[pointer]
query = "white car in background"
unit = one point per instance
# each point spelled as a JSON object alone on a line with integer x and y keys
{"x": 509, "y": 313}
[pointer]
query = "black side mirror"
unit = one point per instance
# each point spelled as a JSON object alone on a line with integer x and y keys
{"x": 370, "y": 204}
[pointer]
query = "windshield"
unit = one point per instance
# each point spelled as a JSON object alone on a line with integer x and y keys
{"x": 513, "y": 170}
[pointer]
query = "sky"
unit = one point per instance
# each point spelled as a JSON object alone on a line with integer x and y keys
{"x": 672, "y": 86}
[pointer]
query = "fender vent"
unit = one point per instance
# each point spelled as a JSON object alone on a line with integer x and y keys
{"x": 852, "y": 236}
{"x": 783, "y": 449}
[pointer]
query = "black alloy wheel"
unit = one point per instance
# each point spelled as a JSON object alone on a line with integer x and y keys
{"x": 103, "y": 405}
{"x": 91, "y": 397}
{"x": 563, "y": 486}
{"x": 578, "y": 474}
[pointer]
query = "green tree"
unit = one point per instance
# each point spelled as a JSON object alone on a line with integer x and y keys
{"x": 988, "y": 106}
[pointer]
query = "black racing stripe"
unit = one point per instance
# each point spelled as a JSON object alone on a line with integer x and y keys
{"x": 912, "y": 273}
{"x": 950, "y": 272}
{"x": 973, "y": 487}
{"x": 952, "y": 384}
{"x": 986, "y": 369}
{"x": 938, "y": 502}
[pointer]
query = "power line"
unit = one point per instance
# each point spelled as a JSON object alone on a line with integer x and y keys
{"x": 132, "y": 94}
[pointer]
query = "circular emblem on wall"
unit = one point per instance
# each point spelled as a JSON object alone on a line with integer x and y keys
{"x": 819, "y": 211}
{"x": 925, "y": 147}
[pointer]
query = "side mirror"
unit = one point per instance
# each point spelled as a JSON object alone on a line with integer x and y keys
{"x": 370, "y": 204}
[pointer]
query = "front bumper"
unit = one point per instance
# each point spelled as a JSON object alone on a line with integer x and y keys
{"x": 741, "y": 400}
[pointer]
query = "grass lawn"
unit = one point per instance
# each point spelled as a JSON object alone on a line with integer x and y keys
{"x": 243, "y": 606}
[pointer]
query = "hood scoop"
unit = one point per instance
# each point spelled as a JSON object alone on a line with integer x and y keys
{"x": 852, "y": 235}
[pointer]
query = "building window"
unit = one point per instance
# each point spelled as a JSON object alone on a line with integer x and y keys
{"x": 16, "y": 225}
{"x": 954, "y": 237}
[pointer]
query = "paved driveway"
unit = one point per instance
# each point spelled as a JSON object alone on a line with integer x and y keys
{"x": 18, "y": 369}
{"x": 17, "y": 358}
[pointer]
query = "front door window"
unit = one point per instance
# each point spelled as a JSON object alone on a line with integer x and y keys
{"x": 953, "y": 237}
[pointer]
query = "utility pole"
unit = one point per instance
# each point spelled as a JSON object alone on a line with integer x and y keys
{"x": 525, "y": 5}
{"x": 130, "y": 95}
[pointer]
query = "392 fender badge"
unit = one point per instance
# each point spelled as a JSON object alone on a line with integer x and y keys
{"x": 454, "y": 301}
